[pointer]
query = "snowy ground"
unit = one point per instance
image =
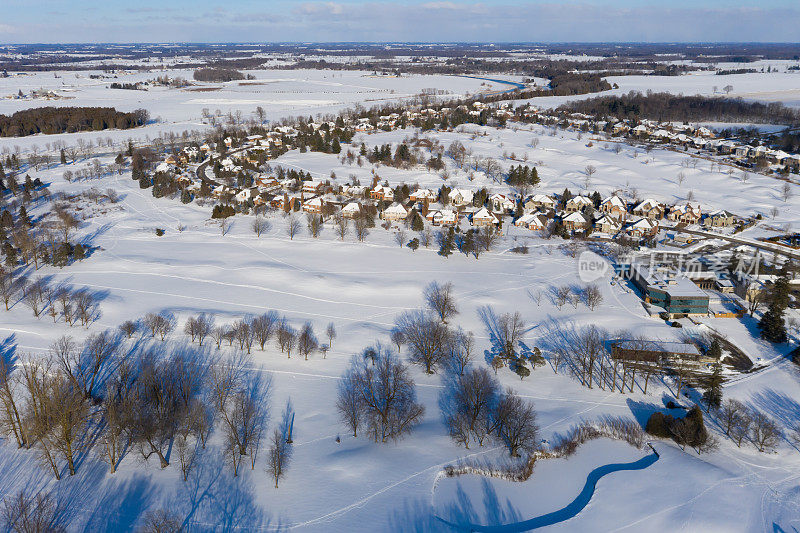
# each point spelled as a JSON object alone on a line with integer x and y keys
{"x": 359, "y": 486}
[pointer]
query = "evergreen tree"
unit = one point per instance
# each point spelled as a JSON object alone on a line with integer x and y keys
{"x": 63, "y": 157}
{"x": 417, "y": 224}
{"x": 447, "y": 244}
{"x": 79, "y": 253}
{"x": 772, "y": 325}
{"x": 712, "y": 393}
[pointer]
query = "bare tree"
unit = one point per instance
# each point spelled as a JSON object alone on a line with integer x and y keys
{"x": 468, "y": 403}
{"x": 515, "y": 420}
{"x": 260, "y": 225}
{"x": 10, "y": 418}
{"x": 280, "y": 453}
{"x": 306, "y": 340}
{"x": 764, "y": 432}
{"x": 510, "y": 329}
{"x": 440, "y": 300}
{"x": 314, "y": 224}
{"x": 129, "y": 328}
{"x": 286, "y": 337}
{"x": 349, "y": 403}
{"x": 361, "y": 227}
{"x": 400, "y": 237}
{"x": 263, "y": 327}
{"x": 461, "y": 349}
{"x": 292, "y": 226}
{"x": 386, "y": 393}
{"x": 427, "y": 339}
{"x": 592, "y": 296}
{"x": 330, "y": 332}
{"x": 342, "y": 226}
{"x": 786, "y": 191}
{"x": 22, "y": 513}
{"x": 244, "y": 414}
{"x": 562, "y": 295}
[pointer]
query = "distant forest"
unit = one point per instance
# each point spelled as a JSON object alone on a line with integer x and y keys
{"x": 50, "y": 120}
{"x": 670, "y": 107}
{"x": 217, "y": 74}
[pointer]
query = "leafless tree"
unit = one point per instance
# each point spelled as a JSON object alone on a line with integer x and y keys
{"x": 292, "y": 226}
{"x": 280, "y": 453}
{"x": 730, "y": 411}
{"x": 786, "y": 191}
{"x": 244, "y": 414}
{"x": 461, "y": 348}
{"x": 260, "y": 225}
{"x": 287, "y": 338}
{"x": 22, "y": 513}
{"x": 219, "y": 334}
{"x": 342, "y": 226}
{"x": 562, "y": 295}
{"x": 427, "y": 339}
{"x": 386, "y": 394}
{"x": 263, "y": 327}
{"x": 426, "y": 237}
{"x": 314, "y": 223}
{"x": 440, "y": 300}
{"x": 349, "y": 403}
{"x": 330, "y": 332}
{"x": 515, "y": 420}
{"x": 740, "y": 429}
{"x": 243, "y": 334}
{"x": 361, "y": 227}
{"x": 510, "y": 329}
{"x": 161, "y": 521}
{"x": 400, "y": 237}
{"x": 129, "y": 328}
{"x": 10, "y": 418}
{"x": 468, "y": 403}
{"x": 9, "y": 287}
{"x": 764, "y": 432}
{"x": 306, "y": 340}
{"x": 592, "y": 296}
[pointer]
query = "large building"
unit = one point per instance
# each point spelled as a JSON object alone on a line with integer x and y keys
{"x": 670, "y": 292}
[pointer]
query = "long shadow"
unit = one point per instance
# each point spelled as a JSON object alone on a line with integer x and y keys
{"x": 570, "y": 510}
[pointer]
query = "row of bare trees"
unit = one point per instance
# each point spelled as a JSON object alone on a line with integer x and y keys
{"x": 245, "y": 333}
{"x": 113, "y": 400}
{"x": 73, "y": 306}
{"x": 741, "y": 423}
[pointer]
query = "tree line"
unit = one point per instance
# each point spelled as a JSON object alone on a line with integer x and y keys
{"x": 49, "y": 120}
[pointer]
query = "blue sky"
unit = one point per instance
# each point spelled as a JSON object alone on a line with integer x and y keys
{"x": 49, "y": 21}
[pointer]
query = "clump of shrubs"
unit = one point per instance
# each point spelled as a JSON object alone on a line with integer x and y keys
{"x": 689, "y": 430}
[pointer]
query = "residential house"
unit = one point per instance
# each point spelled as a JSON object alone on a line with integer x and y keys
{"x": 642, "y": 228}
{"x": 395, "y": 212}
{"x": 608, "y": 224}
{"x": 577, "y": 203}
{"x": 576, "y": 221}
{"x": 650, "y": 209}
{"x": 500, "y": 203}
{"x": 381, "y": 192}
{"x": 615, "y": 207}
{"x": 540, "y": 202}
{"x": 459, "y": 197}
{"x": 352, "y": 210}
{"x": 483, "y": 217}
{"x": 720, "y": 219}
{"x": 688, "y": 213}
{"x": 532, "y": 221}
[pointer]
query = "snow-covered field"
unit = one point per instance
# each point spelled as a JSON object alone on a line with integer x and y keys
{"x": 356, "y": 485}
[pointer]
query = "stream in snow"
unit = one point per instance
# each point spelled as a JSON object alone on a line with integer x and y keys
{"x": 570, "y": 510}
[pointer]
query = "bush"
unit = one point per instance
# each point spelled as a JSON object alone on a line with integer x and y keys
{"x": 658, "y": 425}
{"x": 159, "y": 232}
